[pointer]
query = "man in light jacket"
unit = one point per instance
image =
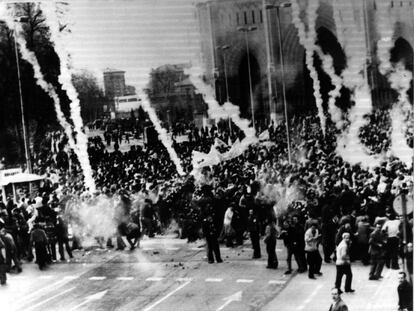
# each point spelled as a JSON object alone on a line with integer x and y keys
{"x": 343, "y": 264}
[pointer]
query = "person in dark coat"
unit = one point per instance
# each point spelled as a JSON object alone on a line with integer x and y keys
{"x": 62, "y": 236}
{"x": 405, "y": 293}
{"x": 211, "y": 235}
{"x": 38, "y": 239}
{"x": 377, "y": 241}
{"x": 3, "y": 266}
{"x": 270, "y": 240}
{"x": 287, "y": 234}
{"x": 11, "y": 250}
{"x": 338, "y": 304}
{"x": 299, "y": 244}
{"x": 254, "y": 230}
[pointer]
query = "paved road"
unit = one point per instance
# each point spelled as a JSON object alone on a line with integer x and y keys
{"x": 169, "y": 274}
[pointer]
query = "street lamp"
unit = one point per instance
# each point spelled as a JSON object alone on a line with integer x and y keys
{"x": 245, "y": 30}
{"x": 224, "y": 48}
{"x": 22, "y": 19}
{"x": 277, "y": 7}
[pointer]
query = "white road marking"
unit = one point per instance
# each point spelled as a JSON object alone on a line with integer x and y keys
{"x": 49, "y": 299}
{"x": 197, "y": 248}
{"x": 172, "y": 248}
{"x": 184, "y": 279}
{"x": 45, "y": 277}
{"x": 309, "y": 299}
{"x": 148, "y": 249}
{"x": 90, "y": 298}
{"x": 244, "y": 281}
{"x": 97, "y": 278}
{"x": 213, "y": 280}
{"x": 277, "y": 282}
{"x": 71, "y": 277}
{"x": 235, "y": 297}
{"x": 125, "y": 278}
{"x": 168, "y": 295}
{"x": 154, "y": 279}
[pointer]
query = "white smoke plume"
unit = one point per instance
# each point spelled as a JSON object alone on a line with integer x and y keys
{"x": 49, "y": 10}
{"x": 215, "y": 110}
{"x": 307, "y": 40}
{"x": 349, "y": 145}
{"x": 335, "y": 93}
{"x": 162, "y": 132}
{"x": 31, "y": 58}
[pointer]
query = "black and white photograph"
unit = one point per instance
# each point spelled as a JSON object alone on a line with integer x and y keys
{"x": 208, "y": 155}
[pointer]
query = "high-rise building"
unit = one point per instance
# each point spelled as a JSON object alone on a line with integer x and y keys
{"x": 114, "y": 83}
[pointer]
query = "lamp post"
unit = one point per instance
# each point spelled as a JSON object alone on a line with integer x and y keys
{"x": 277, "y": 7}
{"x": 21, "y": 19}
{"x": 246, "y": 30}
{"x": 224, "y": 48}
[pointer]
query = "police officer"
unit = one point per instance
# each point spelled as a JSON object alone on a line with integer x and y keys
{"x": 211, "y": 235}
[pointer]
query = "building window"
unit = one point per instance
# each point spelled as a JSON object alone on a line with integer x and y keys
{"x": 245, "y": 17}
{"x": 261, "y": 16}
{"x": 253, "y": 18}
{"x": 238, "y": 19}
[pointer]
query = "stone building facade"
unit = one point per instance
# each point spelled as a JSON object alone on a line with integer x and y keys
{"x": 220, "y": 22}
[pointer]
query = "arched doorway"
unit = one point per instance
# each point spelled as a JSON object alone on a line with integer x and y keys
{"x": 244, "y": 99}
{"x": 329, "y": 45}
{"x": 403, "y": 53}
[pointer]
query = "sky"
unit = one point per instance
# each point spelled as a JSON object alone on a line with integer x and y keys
{"x": 132, "y": 35}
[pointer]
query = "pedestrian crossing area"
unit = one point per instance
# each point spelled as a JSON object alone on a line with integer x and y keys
{"x": 154, "y": 279}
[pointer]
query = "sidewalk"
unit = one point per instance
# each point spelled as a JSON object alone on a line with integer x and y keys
{"x": 302, "y": 293}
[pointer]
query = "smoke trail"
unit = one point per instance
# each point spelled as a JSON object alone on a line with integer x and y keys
{"x": 65, "y": 79}
{"x": 30, "y": 57}
{"x": 307, "y": 40}
{"x": 349, "y": 145}
{"x": 327, "y": 65}
{"x": 162, "y": 132}
{"x": 399, "y": 79}
{"x": 215, "y": 110}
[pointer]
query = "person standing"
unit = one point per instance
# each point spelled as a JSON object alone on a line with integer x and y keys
{"x": 343, "y": 264}
{"x": 376, "y": 250}
{"x": 391, "y": 227}
{"x": 287, "y": 234}
{"x": 211, "y": 235}
{"x": 3, "y": 265}
{"x": 270, "y": 240}
{"x": 405, "y": 293}
{"x": 38, "y": 238}
{"x": 254, "y": 230}
{"x": 313, "y": 256}
{"x": 11, "y": 250}
{"x": 62, "y": 236}
{"x": 338, "y": 304}
{"x": 299, "y": 244}
{"x": 228, "y": 230}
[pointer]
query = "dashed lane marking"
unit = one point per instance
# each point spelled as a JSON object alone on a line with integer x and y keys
{"x": 97, "y": 278}
{"x": 184, "y": 279}
{"x": 148, "y": 248}
{"x": 197, "y": 248}
{"x": 172, "y": 248}
{"x": 279, "y": 282}
{"x": 213, "y": 280}
{"x": 71, "y": 277}
{"x": 244, "y": 281}
{"x": 125, "y": 278}
{"x": 154, "y": 279}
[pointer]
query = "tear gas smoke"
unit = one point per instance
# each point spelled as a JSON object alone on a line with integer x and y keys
{"x": 349, "y": 145}
{"x": 65, "y": 79}
{"x": 335, "y": 93}
{"x": 215, "y": 111}
{"x": 31, "y": 58}
{"x": 307, "y": 40}
{"x": 399, "y": 79}
{"x": 162, "y": 132}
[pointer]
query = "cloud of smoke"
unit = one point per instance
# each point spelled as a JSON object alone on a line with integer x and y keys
{"x": 65, "y": 79}
{"x": 215, "y": 110}
{"x": 307, "y": 40}
{"x": 349, "y": 145}
{"x": 162, "y": 132}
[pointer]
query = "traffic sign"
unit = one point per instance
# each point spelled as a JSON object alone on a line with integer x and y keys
{"x": 398, "y": 204}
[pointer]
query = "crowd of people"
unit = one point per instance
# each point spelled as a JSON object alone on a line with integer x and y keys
{"x": 316, "y": 200}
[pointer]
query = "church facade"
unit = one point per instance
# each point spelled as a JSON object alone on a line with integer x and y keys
{"x": 243, "y": 45}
